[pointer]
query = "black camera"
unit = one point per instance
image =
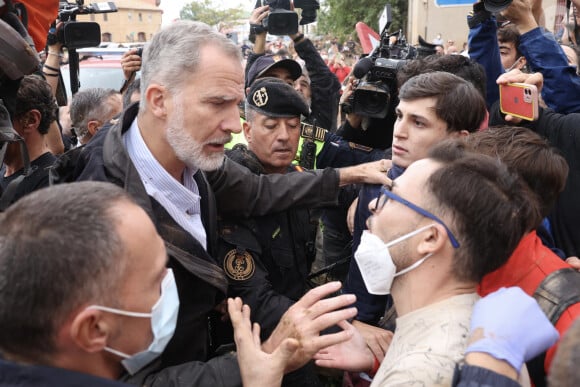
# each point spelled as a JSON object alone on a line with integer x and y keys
{"x": 377, "y": 89}
{"x": 377, "y": 74}
{"x": 74, "y": 34}
{"x": 282, "y": 20}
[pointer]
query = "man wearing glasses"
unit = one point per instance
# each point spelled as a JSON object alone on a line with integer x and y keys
{"x": 433, "y": 107}
{"x": 443, "y": 224}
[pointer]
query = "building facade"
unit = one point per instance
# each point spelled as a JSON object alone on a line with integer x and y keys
{"x": 134, "y": 21}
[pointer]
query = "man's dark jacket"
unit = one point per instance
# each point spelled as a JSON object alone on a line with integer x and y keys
{"x": 200, "y": 281}
{"x": 14, "y": 375}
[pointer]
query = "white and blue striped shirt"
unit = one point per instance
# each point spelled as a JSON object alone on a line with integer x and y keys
{"x": 181, "y": 201}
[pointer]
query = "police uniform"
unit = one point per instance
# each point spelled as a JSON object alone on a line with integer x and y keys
{"x": 267, "y": 258}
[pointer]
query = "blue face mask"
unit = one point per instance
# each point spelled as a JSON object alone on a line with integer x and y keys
{"x": 163, "y": 322}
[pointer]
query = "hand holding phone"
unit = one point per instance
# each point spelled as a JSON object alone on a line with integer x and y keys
{"x": 519, "y": 100}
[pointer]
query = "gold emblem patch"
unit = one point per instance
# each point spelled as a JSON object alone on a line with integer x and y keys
{"x": 238, "y": 265}
{"x": 260, "y": 97}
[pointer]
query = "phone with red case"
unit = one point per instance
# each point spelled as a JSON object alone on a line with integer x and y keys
{"x": 519, "y": 100}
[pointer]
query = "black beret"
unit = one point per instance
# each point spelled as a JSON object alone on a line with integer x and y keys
{"x": 275, "y": 98}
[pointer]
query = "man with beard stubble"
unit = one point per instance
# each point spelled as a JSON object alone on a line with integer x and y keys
{"x": 167, "y": 153}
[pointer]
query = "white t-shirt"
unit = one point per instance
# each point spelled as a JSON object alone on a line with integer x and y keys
{"x": 427, "y": 344}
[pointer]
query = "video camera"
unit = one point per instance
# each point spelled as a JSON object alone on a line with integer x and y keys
{"x": 75, "y": 34}
{"x": 377, "y": 73}
{"x": 282, "y": 20}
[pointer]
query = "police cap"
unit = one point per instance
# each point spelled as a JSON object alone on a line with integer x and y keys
{"x": 273, "y": 97}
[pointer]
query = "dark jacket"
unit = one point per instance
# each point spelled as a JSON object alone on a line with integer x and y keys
{"x": 324, "y": 85}
{"x": 273, "y": 254}
{"x": 472, "y": 376}
{"x": 370, "y": 307}
{"x": 563, "y": 132}
{"x": 200, "y": 281}
{"x": 36, "y": 180}
{"x": 14, "y": 375}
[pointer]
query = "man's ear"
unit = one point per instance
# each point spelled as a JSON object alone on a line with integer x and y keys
{"x": 156, "y": 97}
{"x": 432, "y": 240}
{"x": 90, "y": 330}
{"x": 247, "y": 128}
{"x": 30, "y": 121}
{"x": 93, "y": 127}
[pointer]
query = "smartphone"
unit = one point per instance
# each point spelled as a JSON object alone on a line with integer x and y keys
{"x": 519, "y": 100}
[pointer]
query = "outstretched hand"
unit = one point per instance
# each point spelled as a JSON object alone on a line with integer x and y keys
{"x": 374, "y": 172}
{"x": 256, "y": 366}
{"x": 309, "y": 316}
{"x": 353, "y": 355}
{"x": 378, "y": 339}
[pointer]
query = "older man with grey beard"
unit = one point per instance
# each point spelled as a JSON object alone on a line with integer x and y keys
{"x": 167, "y": 152}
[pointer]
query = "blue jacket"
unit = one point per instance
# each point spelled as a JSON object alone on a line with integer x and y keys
{"x": 561, "y": 90}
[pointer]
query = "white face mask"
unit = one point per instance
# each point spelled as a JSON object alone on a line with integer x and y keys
{"x": 375, "y": 263}
{"x": 163, "y": 322}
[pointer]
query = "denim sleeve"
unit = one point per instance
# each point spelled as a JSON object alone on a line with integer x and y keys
{"x": 561, "y": 91}
{"x": 484, "y": 49}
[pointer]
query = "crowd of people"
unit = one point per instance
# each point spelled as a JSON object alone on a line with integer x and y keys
{"x": 233, "y": 221}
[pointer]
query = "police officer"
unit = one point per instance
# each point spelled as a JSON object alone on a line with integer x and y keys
{"x": 267, "y": 258}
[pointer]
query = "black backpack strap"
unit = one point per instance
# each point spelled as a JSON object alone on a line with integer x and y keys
{"x": 558, "y": 291}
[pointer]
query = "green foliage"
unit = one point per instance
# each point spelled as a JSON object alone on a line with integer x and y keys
{"x": 339, "y": 17}
{"x": 206, "y": 11}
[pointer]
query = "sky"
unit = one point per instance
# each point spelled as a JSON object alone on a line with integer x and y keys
{"x": 171, "y": 8}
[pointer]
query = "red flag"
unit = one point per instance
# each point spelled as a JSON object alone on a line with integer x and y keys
{"x": 369, "y": 39}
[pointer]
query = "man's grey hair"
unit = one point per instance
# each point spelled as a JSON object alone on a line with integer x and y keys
{"x": 250, "y": 112}
{"x": 90, "y": 104}
{"x": 174, "y": 53}
{"x": 59, "y": 250}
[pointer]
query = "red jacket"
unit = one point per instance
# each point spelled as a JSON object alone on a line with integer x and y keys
{"x": 341, "y": 72}
{"x": 529, "y": 264}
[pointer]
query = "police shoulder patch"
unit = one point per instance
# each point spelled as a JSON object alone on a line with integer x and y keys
{"x": 239, "y": 265}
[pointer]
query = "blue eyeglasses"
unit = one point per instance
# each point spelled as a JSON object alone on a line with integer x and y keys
{"x": 385, "y": 194}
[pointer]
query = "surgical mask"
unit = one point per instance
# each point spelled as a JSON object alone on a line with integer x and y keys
{"x": 163, "y": 322}
{"x": 376, "y": 265}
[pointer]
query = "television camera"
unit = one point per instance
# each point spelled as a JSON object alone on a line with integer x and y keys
{"x": 376, "y": 89}
{"x": 74, "y": 34}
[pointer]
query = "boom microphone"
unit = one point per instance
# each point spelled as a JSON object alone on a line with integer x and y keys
{"x": 362, "y": 67}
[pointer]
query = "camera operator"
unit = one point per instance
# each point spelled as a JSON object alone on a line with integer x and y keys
{"x": 367, "y": 131}
{"x": 324, "y": 87}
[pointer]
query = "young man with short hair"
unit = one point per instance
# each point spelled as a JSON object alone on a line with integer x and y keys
{"x": 426, "y": 115}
